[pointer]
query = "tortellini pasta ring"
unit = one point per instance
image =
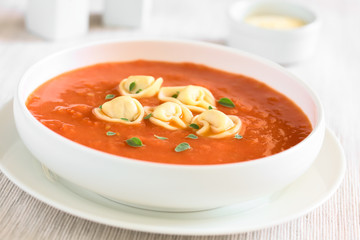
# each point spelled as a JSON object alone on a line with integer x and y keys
{"x": 170, "y": 115}
{"x": 216, "y": 124}
{"x": 196, "y": 98}
{"x": 139, "y": 86}
{"x": 123, "y": 109}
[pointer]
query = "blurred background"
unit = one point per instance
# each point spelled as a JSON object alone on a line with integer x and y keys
{"x": 200, "y": 19}
{"x": 204, "y": 20}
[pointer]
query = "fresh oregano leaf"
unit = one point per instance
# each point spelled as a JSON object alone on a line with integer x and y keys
{"x": 176, "y": 94}
{"x": 161, "y": 138}
{"x": 182, "y": 147}
{"x": 109, "y": 96}
{"x": 132, "y": 86}
{"x": 134, "y": 142}
{"x": 194, "y": 125}
{"x": 192, "y": 136}
{"x": 147, "y": 116}
{"x": 226, "y": 102}
{"x": 237, "y": 136}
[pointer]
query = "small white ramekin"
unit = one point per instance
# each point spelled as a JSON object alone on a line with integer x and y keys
{"x": 169, "y": 187}
{"x": 281, "y": 46}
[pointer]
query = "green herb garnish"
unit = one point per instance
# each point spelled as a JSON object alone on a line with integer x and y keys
{"x": 138, "y": 90}
{"x": 226, "y": 102}
{"x": 182, "y": 147}
{"x": 195, "y": 126}
{"x": 125, "y": 119}
{"x": 161, "y": 138}
{"x": 237, "y": 136}
{"x": 210, "y": 107}
{"x": 100, "y": 106}
{"x": 134, "y": 142}
{"x": 147, "y": 116}
{"x": 192, "y": 136}
{"x": 176, "y": 94}
{"x": 110, "y": 96}
{"x": 110, "y": 133}
{"x": 132, "y": 86}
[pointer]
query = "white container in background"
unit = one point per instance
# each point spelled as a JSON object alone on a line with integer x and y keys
{"x": 126, "y": 13}
{"x": 57, "y": 19}
{"x": 269, "y": 39}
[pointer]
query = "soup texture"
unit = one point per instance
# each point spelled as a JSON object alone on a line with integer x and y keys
{"x": 270, "y": 122}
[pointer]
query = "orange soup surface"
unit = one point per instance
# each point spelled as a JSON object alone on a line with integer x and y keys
{"x": 271, "y": 122}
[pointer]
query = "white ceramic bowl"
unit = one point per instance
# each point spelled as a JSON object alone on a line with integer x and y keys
{"x": 281, "y": 46}
{"x": 166, "y": 186}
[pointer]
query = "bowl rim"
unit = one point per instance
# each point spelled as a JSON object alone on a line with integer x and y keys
{"x": 100, "y": 155}
{"x": 309, "y": 26}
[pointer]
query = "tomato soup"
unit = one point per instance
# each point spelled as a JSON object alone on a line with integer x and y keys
{"x": 271, "y": 122}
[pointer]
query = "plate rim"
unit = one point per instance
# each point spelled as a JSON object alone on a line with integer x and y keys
{"x": 121, "y": 223}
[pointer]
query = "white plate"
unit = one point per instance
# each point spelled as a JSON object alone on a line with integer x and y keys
{"x": 307, "y": 193}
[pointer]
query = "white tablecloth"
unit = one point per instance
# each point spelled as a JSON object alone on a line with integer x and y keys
{"x": 333, "y": 72}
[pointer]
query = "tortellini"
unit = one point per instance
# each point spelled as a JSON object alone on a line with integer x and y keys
{"x": 216, "y": 124}
{"x": 170, "y": 115}
{"x": 177, "y": 111}
{"x": 196, "y": 98}
{"x": 140, "y": 86}
{"x": 123, "y": 109}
